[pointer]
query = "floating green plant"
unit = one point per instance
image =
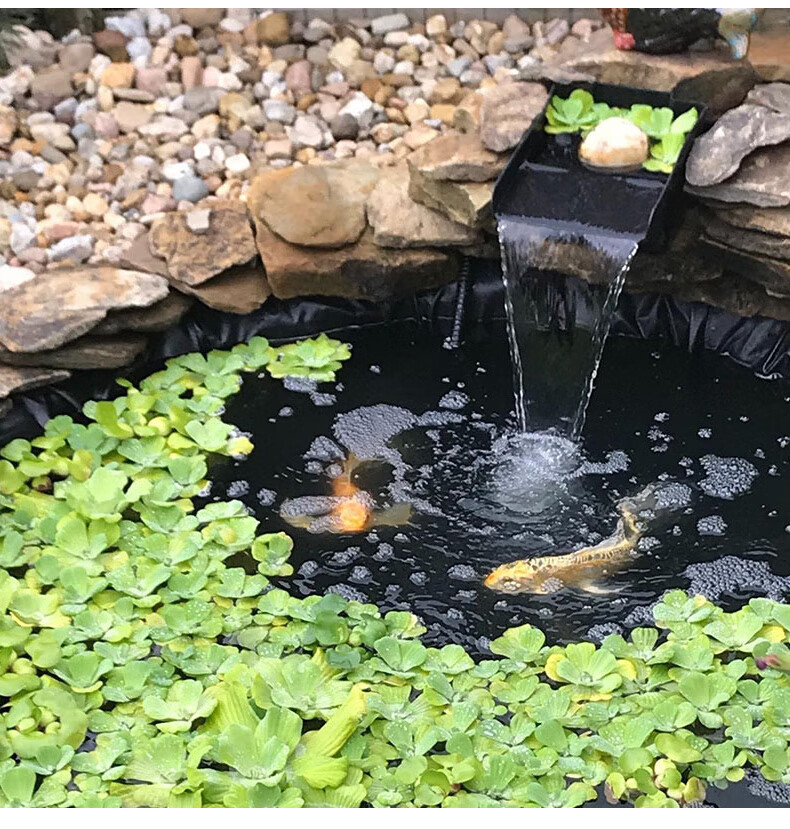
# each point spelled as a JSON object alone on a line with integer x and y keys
{"x": 579, "y": 112}
{"x": 138, "y": 668}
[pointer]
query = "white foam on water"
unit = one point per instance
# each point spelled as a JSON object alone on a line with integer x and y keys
{"x": 731, "y": 574}
{"x": 236, "y": 489}
{"x": 726, "y": 478}
{"x": 454, "y": 400}
{"x": 712, "y": 525}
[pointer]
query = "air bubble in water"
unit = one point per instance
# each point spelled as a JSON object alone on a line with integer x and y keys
{"x": 265, "y": 497}
{"x": 705, "y": 433}
{"x": 324, "y": 449}
{"x": 419, "y": 578}
{"x": 454, "y": 400}
{"x": 302, "y": 385}
{"x": 321, "y": 399}
{"x": 348, "y": 592}
{"x": 711, "y": 525}
{"x": 384, "y": 552}
{"x": 731, "y": 574}
{"x": 597, "y": 633}
{"x": 463, "y": 572}
{"x": 726, "y": 477}
{"x": 286, "y": 411}
{"x": 360, "y": 574}
{"x": 308, "y": 569}
{"x": 344, "y": 557}
{"x": 236, "y": 489}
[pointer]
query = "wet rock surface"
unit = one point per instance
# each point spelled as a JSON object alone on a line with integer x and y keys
{"x": 15, "y": 379}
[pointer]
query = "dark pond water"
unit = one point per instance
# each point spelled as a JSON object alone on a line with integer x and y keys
{"x": 439, "y": 429}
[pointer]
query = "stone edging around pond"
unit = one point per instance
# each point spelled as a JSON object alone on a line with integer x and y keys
{"x": 100, "y": 138}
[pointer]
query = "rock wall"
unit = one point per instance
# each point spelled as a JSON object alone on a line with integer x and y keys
{"x": 224, "y": 156}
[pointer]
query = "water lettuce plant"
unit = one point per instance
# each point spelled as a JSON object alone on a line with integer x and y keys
{"x": 140, "y": 666}
{"x": 579, "y": 112}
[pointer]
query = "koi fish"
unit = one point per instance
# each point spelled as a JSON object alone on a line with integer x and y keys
{"x": 347, "y": 510}
{"x": 584, "y": 567}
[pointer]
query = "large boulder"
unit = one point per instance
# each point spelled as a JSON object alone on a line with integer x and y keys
{"x": 198, "y": 244}
{"x": 507, "y": 112}
{"x": 360, "y": 271}
{"x": 60, "y": 305}
{"x": 399, "y": 222}
{"x": 314, "y": 206}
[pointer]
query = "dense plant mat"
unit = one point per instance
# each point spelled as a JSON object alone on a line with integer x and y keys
{"x": 138, "y": 668}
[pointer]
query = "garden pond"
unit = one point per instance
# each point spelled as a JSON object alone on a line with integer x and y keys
{"x": 164, "y": 642}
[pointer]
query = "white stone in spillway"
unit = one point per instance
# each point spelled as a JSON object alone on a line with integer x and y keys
{"x": 615, "y": 143}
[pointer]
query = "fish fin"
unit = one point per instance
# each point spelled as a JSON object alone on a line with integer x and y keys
{"x": 396, "y": 516}
{"x": 596, "y": 589}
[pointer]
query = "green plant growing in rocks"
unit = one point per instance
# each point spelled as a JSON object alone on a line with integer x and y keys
{"x": 138, "y": 668}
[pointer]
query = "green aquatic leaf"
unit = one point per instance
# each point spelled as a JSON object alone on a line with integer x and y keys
{"x": 685, "y": 122}
{"x": 577, "y": 112}
{"x": 665, "y": 153}
{"x": 83, "y": 671}
{"x": 184, "y": 702}
{"x": 677, "y": 748}
{"x": 317, "y": 359}
{"x": 261, "y": 753}
{"x": 735, "y": 631}
{"x": 300, "y": 683}
{"x": 160, "y": 759}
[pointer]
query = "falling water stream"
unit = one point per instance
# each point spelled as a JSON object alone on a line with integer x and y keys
{"x": 555, "y": 346}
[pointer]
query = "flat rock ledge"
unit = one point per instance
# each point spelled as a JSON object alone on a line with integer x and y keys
{"x": 60, "y": 305}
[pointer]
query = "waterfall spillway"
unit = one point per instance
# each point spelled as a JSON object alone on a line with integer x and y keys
{"x": 556, "y": 345}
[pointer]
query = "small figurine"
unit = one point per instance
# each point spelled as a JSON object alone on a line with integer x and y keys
{"x": 664, "y": 31}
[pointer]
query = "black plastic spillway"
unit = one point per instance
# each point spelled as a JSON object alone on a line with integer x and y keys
{"x": 545, "y": 183}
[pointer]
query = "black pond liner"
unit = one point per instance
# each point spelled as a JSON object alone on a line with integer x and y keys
{"x": 757, "y": 343}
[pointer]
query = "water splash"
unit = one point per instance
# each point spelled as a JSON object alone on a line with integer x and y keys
{"x": 557, "y": 336}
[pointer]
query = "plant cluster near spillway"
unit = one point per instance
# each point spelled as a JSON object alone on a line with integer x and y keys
{"x": 137, "y": 668}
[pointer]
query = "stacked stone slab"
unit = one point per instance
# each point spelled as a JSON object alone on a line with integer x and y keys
{"x": 77, "y": 318}
{"x": 740, "y": 171}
